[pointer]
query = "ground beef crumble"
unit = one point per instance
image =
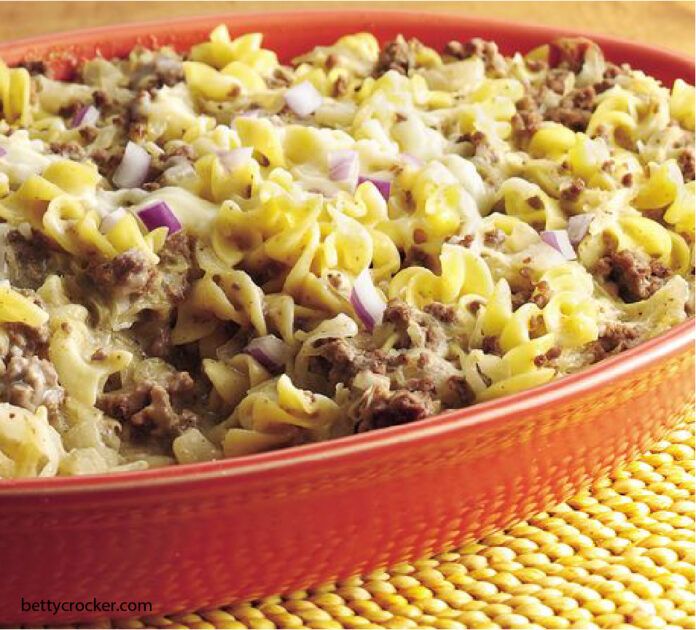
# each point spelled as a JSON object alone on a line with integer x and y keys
{"x": 491, "y": 345}
{"x": 634, "y": 277}
{"x": 26, "y": 339}
{"x": 572, "y": 191}
{"x": 569, "y": 53}
{"x": 494, "y": 238}
{"x": 153, "y": 407}
{"x": 542, "y": 294}
{"x": 70, "y": 150}
{"x": 610, "y": 77}
{"x": 487, "y": 51}
{"x": 458, "y": 393}
{"x": 34, "y": 67}
{"x": 178, "y": 265}
{"x": 522, "y": 287}
{"x": 686, "y": 163}
{"x": 556, "y": 80}
{"x": 575, "y": 109}
{"x": 345, "y": 360}
{"x": 548, "y": 357}
{"x": 154, "y": 333}
{"x": 421, "y": 378}
{"x": 441, "y": 312}
{"x": 482, "y": 147}
{"x": 30, "y": 260}
{"x": 29, "y": 382}
{"x": 28, "y": 378}
{"x": 613, "y": 338}
{"x": 161, "y": 70}
{"x": 128, "y": 274}
{"x": 395, "y": 55}
{"x": 418, "y": 257}
{"x": 526, "y": 120}
{"x": 387, "y": 409}
{"x": 409, "y": 322}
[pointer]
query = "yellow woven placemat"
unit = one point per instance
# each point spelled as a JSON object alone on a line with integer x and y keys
{"x": 619, "y": 555}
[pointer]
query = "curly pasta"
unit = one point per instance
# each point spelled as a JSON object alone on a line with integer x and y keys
{"x": 217, "y": 253}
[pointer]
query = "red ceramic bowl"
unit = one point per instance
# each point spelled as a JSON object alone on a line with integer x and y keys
{"x": 200, "y": 535}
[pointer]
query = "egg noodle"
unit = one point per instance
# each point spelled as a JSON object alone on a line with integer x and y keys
{"x": 215, "y": 254}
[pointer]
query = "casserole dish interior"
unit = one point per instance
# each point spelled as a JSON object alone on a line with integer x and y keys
{"x": 275, "y": 521}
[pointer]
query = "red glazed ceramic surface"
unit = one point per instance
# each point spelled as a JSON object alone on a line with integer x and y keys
{"x": 200, "y": 535}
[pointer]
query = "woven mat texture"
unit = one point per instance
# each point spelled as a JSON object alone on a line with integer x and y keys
{"x": 619, "y": 555}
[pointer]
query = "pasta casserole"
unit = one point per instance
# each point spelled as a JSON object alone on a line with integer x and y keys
{"x": 214, "y": 254}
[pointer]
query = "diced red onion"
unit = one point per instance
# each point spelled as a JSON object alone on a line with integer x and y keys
{"x": 411, "y": 159}
{"x": 368, "y": 304}
{"x": 303, "y": 99}
{"x": 110, "y": 220}
{"x": 343, "y": 166}
{"x": 558, "y": 239}
{"x": 235, "y": 157}
{"x": 3, "y": 152}
{"x": 269, "y": 351}
{"x": 159, "y": 215}
{"x": 578, "y": 226}
{"x": 383, "y": 185}
{"x": 87, "y": 115}
{"x": 133, "y": 169}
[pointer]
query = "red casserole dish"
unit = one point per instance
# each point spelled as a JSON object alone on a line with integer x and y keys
{"x": 201, "y": 535}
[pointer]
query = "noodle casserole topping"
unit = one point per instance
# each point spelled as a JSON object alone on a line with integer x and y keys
{"x": 214, "y": 254}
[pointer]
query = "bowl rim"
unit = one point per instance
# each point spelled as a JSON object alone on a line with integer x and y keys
{"x": 187, "y": 23}
{"x": 675, "y": 341}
